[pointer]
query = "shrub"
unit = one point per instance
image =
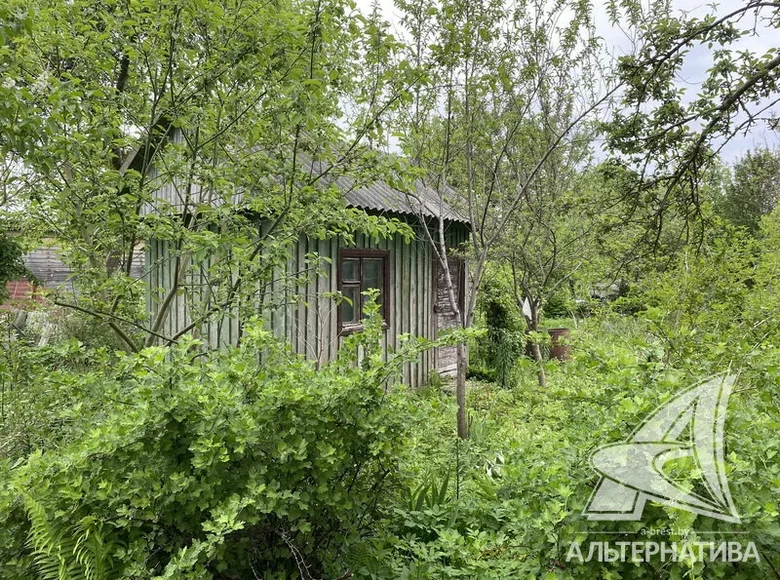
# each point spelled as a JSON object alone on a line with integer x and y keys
{"x": 57, "y": 325}
{"x": 516, "y": 490}
{"x": 559, "y": 305}
{"x": 212, "y": 465}
{"x": 496, "y": 352}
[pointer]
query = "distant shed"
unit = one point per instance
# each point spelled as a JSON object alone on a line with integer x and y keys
{"x": 51, "y": 274}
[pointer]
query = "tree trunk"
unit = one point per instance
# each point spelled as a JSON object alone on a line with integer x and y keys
{"x": 533, "y": 326}
{"x": 540, "y": 364}
{"x": 460, "y": 391}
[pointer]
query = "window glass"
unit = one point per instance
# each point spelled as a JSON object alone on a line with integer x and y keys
{"x": 373, "y": 273}
{"x": 351, "y": 305}
{"x": 360, "y": 271}
{"x": 350, "y": 269}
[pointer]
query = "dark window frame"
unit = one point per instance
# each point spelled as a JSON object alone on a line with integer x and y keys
{"x": 360, "y": 254}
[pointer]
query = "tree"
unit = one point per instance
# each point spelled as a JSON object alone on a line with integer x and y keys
{"x": 552, "y": 239}
{"x": 667, "y": 136}
{"x": 104, "y": 104}
{"x": 476, "y": 124}
{"x": 753, "y": 189}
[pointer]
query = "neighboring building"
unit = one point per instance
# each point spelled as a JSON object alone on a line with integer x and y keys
{"x": 50, "y": 275}
{"x": 408, "y": 276}
{"x": 20, "y": 292}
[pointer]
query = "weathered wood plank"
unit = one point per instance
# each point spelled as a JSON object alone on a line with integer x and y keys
{"x": 312, "y": 291}
{"x": 413, "y": 313}
{"x": 311, "y": 323}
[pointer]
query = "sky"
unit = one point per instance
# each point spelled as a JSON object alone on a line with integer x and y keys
{"x": 698, "y": 60}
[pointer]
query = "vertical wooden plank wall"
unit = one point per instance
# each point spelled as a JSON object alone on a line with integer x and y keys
{"x": 410, "y": 297}
{"x": 308, "y": 318}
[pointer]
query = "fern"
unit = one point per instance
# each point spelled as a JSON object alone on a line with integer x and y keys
{"x": 76, "y": 552}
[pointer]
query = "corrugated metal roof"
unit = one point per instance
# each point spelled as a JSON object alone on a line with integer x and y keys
{"x": 47, "y": 267}
{"x": 375, "y": 196}
{"x": 53, "y": 274}
{"x": 379, "y": 196}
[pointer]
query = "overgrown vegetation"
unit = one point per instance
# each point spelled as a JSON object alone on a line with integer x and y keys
{"x": 178, "y": 464}
{"x": 130, "y": 448}
{"x": 11, "y": 265}
{"x": 175, "y": 463}
{"x": 524, "y": 478}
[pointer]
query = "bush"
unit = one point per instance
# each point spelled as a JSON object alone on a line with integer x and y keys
{"x": 49, "y": 395}
{"x": 496, "y": 352}
{"x": 211, "y": 466}
{"x": 11, "y": 264}
{"x": 560, "y": 305}
{"x": 514, "y": 493}
{"x": 61, "y": 325}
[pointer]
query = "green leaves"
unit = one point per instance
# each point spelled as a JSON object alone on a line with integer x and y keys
{"x": 196, "y": 457}
{"x": 11, "y": 264}
{"x": 752, "y": 191}
{"x": 188, "y": 123}
{"x": 179, "y": 464}
{"x": 66, "y": 551}
{"x": 673, "y": 140}
{"x": 523, "y": 477}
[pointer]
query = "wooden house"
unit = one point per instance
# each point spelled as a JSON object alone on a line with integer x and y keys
{"x": 407, "y": 274}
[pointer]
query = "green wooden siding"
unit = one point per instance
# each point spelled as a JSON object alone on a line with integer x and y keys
{"x": 306, "y": 316}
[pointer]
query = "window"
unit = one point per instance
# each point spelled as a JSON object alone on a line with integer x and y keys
{"x": 361, "y": 270}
